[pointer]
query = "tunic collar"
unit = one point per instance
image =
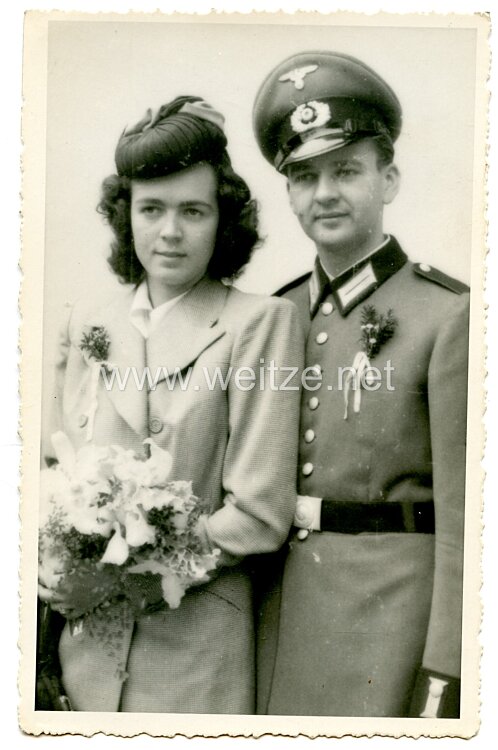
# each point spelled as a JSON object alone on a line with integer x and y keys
{"x": 356, "y": 283}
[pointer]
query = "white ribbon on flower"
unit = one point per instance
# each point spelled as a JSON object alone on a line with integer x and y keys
{"x": 361, "y": 365}
{"x": 94, "y": 403}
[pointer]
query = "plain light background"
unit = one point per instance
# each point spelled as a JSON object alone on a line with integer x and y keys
{"x": 102, "y": 76}
{"x": 10, "y": 279}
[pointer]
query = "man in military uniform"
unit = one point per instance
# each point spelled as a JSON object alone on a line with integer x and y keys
{"x": 367, "y": 620}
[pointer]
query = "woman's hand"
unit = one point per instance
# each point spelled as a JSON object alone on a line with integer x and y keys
{"x": 49, "y": 595}
{"x": 82, "y": 591}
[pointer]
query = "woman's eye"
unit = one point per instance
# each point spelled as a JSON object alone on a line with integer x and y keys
{"x": 192, "y": 211}
{"x": 150, "y": 210}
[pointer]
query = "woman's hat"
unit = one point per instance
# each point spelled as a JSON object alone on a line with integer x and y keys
{"x": 179, "y": 134}
{"x": 315, "y": 102}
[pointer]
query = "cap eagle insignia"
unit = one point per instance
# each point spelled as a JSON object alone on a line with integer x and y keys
{"x": 297, "y": 75}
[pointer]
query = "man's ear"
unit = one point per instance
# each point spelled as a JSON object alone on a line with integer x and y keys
{"x": 392, "y": 180}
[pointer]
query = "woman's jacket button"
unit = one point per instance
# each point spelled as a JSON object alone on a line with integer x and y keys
{"x": 155, "y": 425}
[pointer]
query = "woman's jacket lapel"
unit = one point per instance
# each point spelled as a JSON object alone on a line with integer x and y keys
{"x": 135, "y": 364}
{"x": 190, "y": 328}
{"x": 126, "y": 355}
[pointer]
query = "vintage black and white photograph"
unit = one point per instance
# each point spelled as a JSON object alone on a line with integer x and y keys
{"x": 253, "y": 258}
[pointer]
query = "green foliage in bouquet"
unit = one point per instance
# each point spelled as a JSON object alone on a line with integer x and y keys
{"x": 116, "y": 536}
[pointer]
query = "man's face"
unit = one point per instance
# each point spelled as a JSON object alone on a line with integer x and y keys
{"x": 339, "y": 197}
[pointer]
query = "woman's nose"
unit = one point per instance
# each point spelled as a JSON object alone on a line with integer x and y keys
{"x": 326, "y": 188}
{"x": 170, "y": 227}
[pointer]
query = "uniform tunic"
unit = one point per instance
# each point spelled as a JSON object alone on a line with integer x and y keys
{"x": 360, "y": 613}
{"x": 238, "y": 446}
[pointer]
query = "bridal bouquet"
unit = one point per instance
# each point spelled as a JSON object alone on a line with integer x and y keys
{"x": 109, "y": 521}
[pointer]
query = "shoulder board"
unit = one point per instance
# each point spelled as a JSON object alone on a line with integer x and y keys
{"x": 292, "y": 284}
{"x": 433, "y": 274}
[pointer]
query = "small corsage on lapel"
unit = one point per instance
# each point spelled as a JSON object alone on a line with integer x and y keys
{"x": 375, "y": 331}
{"x": 95, "y": 345}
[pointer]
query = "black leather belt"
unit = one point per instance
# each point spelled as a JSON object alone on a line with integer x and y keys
{"x": 355, "y": 518}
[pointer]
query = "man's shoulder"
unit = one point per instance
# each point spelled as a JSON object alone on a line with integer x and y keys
{"x": 420, "y": 285}
{"x": 245, "y": 309}
{"x": 301, "y": 281}
{"x": 441, "y": 279}
{"x": 426, "y": 294}
{"x": 253, "y": 300}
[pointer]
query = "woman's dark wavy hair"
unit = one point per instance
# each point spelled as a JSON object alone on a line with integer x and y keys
{"x": 236, "y": 238}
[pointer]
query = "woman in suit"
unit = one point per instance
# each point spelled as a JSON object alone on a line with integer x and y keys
{"x": 183, "y": 221}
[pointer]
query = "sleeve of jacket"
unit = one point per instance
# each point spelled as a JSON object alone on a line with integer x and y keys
{"x": 259, "y": 474}
{"x": 448, "y": 378}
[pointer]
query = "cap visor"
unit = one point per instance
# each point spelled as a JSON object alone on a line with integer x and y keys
{"x": 314, "y": 147}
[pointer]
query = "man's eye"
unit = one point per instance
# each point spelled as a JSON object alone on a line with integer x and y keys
{"x": 303, "y": 177}
{"x": 346, "y": 172}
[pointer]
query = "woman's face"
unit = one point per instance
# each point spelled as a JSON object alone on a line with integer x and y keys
{"x": 174, "y": 220}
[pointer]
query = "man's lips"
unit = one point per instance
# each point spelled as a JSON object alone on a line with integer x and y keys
{"x": 331, "y": 215}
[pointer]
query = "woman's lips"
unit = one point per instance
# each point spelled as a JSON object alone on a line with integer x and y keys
{"x": 171, "y": 254}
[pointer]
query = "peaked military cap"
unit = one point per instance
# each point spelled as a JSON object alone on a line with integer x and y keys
{"x": 315, "y": 102}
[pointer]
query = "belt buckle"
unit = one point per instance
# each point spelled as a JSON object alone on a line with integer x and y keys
{"x": 307, "y": 515}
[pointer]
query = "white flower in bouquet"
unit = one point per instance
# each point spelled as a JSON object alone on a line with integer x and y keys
{"x": 117, "y": 550}
{"x": 109, "y": 520}
{"x": 138, "y": 531}
{"x": 152, "y": 472}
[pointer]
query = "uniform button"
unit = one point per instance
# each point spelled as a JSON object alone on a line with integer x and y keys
{"x": 425, "y": 267}
{"x": 327, "y": 308}
{"x": 321, "y": 337}
{"x": 316, "y": 369}
{"x": 82, "y": 420}
{"x": 155, "y": 425}
{"x": 307, "y": 469}
{"x": 313, "y": 403}
{"x": 309, "y": 436}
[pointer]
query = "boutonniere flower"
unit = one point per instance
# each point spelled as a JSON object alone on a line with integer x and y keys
{"x": 375, "y": 331}
{"x": 95, "y": 345}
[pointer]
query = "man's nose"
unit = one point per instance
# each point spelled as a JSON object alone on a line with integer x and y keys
{"x": 327, "y": 188}
{"x": 170, "y": 226}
